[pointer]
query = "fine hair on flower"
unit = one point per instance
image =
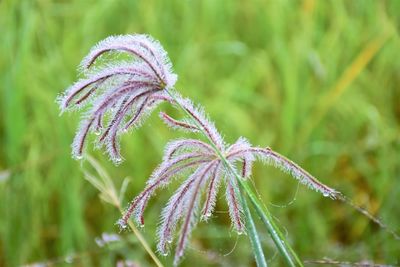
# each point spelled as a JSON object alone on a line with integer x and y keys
{"x": 117, "y": 96}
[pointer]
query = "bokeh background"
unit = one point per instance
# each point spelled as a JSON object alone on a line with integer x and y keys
{"x": 316, "y": 80}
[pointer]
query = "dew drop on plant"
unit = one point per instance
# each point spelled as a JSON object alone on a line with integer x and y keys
{"x": 165, "y": 253}
{"x": 79, "y": 157}
{"x": 169, "y": 240}
{"x": 97, "y": 132}
{"x": 325, "y": 194}
{"x": 141, "y": 225}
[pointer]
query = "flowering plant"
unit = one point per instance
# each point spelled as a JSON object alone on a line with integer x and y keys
{"x": 118, "y": 96}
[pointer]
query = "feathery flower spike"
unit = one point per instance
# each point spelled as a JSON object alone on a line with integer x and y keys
{"x": 118, "y": 96}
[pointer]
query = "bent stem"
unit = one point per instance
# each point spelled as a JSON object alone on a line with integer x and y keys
{"x": 284, "y": 247}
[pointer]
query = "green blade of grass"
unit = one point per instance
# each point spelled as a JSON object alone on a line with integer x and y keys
{"x": 251, "y": 228}
{"x": 279, "y": 239}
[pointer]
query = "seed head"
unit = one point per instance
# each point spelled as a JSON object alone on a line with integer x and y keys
{"x": 118, "y": 96}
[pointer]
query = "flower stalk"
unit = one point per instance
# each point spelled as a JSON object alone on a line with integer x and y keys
{"x": 252, "y": 232}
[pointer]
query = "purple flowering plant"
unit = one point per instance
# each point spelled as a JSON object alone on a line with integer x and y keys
{"x": 117, "y": 96}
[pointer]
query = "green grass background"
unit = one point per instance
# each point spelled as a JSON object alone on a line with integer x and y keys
{"x": 316, "y": 80}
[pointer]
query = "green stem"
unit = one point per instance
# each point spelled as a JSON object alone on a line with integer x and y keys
{"x": 252, "y": 231}
{"x": 279, "y": 239}
{"x": 142, "y": 240}
{"x": 284, "y": 248}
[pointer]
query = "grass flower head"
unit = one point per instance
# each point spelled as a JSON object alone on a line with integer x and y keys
{"x": 118, "y": 96}
{"x": 203, "y": 170}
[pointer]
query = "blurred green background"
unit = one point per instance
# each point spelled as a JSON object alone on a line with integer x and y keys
{"x": 316, "y": 80}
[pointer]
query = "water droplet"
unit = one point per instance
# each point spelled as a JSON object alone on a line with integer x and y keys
{"x": 97, "y": 132}
{"x": 164, "y": 253}
{"x": 326, "y": 194}
{"x": 240, "y": 232}
{"x": 79, "y": 157}
{"x": 169, "y": 240}
{"x": 118, "y": 160}
{"x": 141, "y": 225}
